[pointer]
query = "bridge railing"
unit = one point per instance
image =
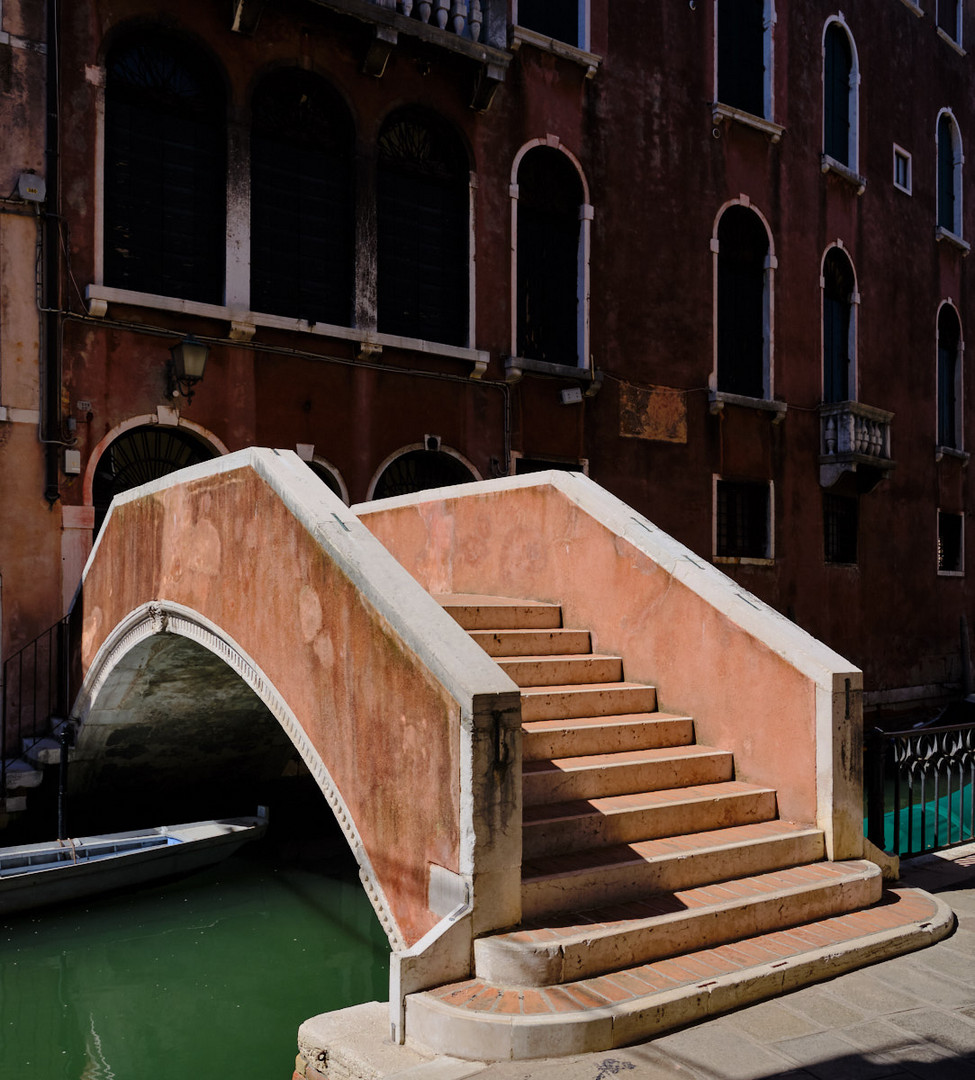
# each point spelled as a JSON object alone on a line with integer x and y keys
{"x": 920, "y": 788}
{"x": 37, "y": 688}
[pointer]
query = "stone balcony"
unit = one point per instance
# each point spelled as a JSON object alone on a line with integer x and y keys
{"x": 854, "y": 438}
{"x": 476, "y": 29}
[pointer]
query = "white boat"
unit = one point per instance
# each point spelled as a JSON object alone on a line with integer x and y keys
{"x": 34, "y": 875}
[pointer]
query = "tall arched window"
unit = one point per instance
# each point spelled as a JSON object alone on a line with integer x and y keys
{"x": 949, "y": 174}
{"x": 423, "y": 210}
{"x": 165, "y": 169}
{"x": 949, "y": 378}
{"x": 840, "y": 79}
{"x": 743, "y": 309}
{"x": 302, "y": 212}
{"x": 550, "y": 200}
{"x": 839, "y": 328}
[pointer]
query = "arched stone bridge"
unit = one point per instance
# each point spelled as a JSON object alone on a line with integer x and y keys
{"x": 239, "y": 610}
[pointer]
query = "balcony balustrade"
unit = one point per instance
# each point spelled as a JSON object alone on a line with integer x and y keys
{"x": 476, "y": 29}
{"x": 854, "y": 438}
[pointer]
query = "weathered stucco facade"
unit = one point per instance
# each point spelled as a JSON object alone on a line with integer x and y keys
{"x": 636, "y": 132}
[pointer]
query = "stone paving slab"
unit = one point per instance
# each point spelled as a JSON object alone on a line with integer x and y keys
{"x": 910, "y": 1018}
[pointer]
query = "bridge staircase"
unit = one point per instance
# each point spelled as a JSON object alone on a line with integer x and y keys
{"x": 656, "y": 887}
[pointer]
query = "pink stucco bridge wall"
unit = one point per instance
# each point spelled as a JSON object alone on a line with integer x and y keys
{"x": 324, "y": 615}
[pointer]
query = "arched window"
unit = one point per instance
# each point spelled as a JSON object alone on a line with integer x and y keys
{"x": 142, "y": 454}
{"x": 423, "y": 211}
{"x": 420, "y": 470}
{"x": 949, "y": 174}
{"x": 744, "y": 55}
{"x": 949, "y": 378}
{"x": 549, "y": 257}
{"x": 302, "y": 212}
{"x": 743, "y": 308}
{"x": 165, "y": 169}
{"x": 839, "y": 327}
{"x": 840, "y": 78}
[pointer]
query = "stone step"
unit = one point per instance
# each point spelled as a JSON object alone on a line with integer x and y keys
{"x": 21, "y": 775}
{"x": 630, "y": 872}
{"x": 626, "y": 819}
{"x": 477, "y": 612}
{"x": 594, "y": 776}
{"x": 668, "y": 924}
{"x": 481, "y": 1021}
{"x": 43, "y": 752}
{"x": 561, "y": 670}
{"x": 546, "y": 739}
{"x": 532, "y": 642}
{"x": 586, "y": 699}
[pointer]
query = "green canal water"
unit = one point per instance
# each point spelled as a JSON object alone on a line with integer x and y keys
{"x": 208, "y": 976}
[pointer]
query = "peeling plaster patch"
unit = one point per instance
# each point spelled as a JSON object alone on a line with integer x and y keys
{"x": 324, "y": 651}
{"x": 655, "y": 413}
{"x": 204, "y": 548}
{"x": 309, "y": 613}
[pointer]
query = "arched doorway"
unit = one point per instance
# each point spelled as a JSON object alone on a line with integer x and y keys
{"x": 140, "y": 455}
{"x": 419, "y": 470}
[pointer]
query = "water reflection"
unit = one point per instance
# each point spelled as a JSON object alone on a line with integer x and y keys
{"x": 210, "y": 974}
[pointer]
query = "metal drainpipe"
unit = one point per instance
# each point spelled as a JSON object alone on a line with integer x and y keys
{"x": 50, "y": 271}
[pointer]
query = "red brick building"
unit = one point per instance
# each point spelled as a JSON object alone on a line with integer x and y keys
{"x": 713, "y": 253}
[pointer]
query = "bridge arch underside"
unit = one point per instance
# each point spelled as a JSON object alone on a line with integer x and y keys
{"x": 174, "y": 729}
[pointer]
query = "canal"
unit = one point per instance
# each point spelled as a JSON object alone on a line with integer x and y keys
{"x": 205, "y": 976}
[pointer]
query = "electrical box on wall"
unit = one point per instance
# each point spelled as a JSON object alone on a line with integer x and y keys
{"x": 31, "y": 187}
{"x": 72, "y": 462}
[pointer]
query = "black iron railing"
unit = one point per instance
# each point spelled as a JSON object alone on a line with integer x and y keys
{"x": 37, "y": 681}
{"x": 919, "y": 788}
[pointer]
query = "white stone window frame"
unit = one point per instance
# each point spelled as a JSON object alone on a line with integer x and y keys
{"x": 741, "y": 560}
{"x": 306, "y": 451}
{"x": 716, "y": 397}
{"x": 236, "y": 310}
{"x": 960, "y": 572}
{"x": 914, "y": 7}
{"x": 899, "y": 153}
{"x": 955, "y": 235}
{"x": 853, "y": 389}
{"x": 955, "y": 40}
{"x": 586, "y": 215}
{"x": 722, "y": 111}
{"x": 850, "y": 172}
{"x": 959, "y": 450}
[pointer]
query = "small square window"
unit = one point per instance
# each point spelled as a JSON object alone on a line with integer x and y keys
{"x": 951, "y": 549}
{"x": 902, "y": 170}
{"x": 742, "y": 521}
{"x": 840, "y": 527}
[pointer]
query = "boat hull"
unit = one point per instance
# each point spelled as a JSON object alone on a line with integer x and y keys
{"x": 37, "y": 875}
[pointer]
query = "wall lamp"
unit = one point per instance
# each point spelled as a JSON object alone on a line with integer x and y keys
{"x": 186, "y": 366}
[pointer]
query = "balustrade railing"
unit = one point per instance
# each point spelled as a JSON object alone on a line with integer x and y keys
{"x": 464, "y": 18}
{"x": 920, "y": 786}
{"x": 847, "y": 427}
